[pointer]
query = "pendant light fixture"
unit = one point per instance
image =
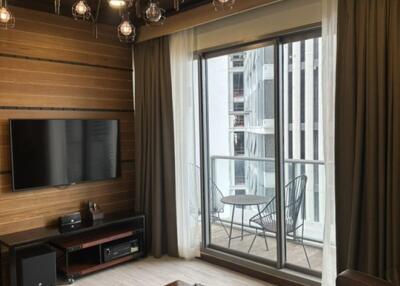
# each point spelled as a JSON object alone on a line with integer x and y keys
{"x": 7, "y": 20}
{"x": 81, "y": 11}
{"x": 126, "y": 30}
{"x": 223, "y": 4}
{"x": 119, "y": 4}
{"x": 154, "y": 14}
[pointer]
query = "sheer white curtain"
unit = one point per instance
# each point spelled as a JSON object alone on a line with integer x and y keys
{"x": 329, "y": 30}
{"x": 186, "y": 168}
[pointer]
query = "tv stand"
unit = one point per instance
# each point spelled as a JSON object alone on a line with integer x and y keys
{"x": 79, "y": 252}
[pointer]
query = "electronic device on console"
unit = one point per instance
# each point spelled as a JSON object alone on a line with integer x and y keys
{"x": 120, "y": 249}
{"x": 70, "y": 222}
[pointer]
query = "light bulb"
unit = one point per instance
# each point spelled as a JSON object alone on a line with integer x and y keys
{"x": 117, "y": 3}
{"x": 126, "y": 28}
{"x": 5, "y": 15}
{"x": 153, "y": 13}
{"x": 81, "y": 8}
{"x": 126, "y": 31}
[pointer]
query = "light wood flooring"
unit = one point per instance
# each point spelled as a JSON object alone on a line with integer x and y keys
{"x": 158, "y": 272}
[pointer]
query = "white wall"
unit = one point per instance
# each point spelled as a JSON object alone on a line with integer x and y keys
{"x": 259, "y": 22}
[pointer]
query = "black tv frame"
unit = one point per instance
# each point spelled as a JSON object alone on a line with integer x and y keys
{"x": 119, "y": 161}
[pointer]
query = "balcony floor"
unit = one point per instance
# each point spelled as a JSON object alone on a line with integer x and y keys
{"x": 295, "y": 252}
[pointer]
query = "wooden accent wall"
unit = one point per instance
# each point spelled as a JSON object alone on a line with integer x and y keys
{"x": 53, "y": 67}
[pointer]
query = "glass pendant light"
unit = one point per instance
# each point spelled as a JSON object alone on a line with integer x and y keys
{"x": 154, "y": 14}
{"x": 81, "y": 10}
{"x": 7, "y": 20}
{"x": 119, "y": 4}
{"x": 223, "y": 4}
{"x": 126, "y": 30}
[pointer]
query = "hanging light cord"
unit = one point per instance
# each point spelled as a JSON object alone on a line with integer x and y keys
{"x": 57, "y": 6}
{"x": 95, "y": 20}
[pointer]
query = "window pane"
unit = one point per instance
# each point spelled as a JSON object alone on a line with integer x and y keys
{"x": 241, "y": 118}
{"x": 238, "y": 106}
{"x": 303, "y": 152}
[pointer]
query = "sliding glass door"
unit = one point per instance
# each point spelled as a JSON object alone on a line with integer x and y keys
{"x": 262, "y": 157}
{"x": 241, "y": 155}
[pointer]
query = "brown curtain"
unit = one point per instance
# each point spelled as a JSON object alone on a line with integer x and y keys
{"x": 368, "y": 137}
{"x": 154, "y": 145}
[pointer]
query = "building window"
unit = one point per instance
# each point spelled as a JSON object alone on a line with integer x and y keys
{"x": 239, "y": 121}
{"x": 238, "y": 84}
{"x": 237, "y": 60}
{"x": 238, "y": 106}
{"x": 239, "y": 143}
{"x": 316, "y": 145}
{"x": 239, "y": 172}
{"x": 290, "y": 144}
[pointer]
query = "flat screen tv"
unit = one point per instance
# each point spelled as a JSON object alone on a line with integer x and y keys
{"x": 56, "y": 152}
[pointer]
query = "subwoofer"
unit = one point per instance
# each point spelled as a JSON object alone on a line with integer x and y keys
{"x": 37, "y": 266}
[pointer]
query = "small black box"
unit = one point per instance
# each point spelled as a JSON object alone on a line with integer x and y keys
{"x": 37, "y": 266}
{"x": 74, "y": 218}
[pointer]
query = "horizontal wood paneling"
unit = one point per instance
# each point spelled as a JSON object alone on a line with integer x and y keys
{"x": 75, "y": 40}
{"x": 77, "y": 29}
{"x": 12, "y": 70}
{"x": 26, "y": 82}
{"x": 77, "y": 71}
{"x": 52, "y": 67}
{"x": 45, "y": 206}
{"x": 53, "y": 40}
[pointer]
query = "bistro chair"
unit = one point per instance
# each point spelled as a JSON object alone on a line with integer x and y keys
{"x": 294, "y": 202}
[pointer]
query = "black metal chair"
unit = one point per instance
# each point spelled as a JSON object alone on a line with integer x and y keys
{"x": 295, "y": 192}
{"x": 216, "y": 207}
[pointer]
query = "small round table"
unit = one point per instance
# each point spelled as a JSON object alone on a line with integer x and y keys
{"x": 243, "y": 201}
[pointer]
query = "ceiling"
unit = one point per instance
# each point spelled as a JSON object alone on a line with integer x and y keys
{"x": 107, "y": 15}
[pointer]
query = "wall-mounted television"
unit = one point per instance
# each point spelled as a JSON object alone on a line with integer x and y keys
{"x": 57, "y": 152}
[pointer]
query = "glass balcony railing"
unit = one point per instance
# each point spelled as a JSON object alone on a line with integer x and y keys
{"x": 238, "y": 226}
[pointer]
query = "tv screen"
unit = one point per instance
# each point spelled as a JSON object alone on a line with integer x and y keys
{"x": 63, "y": 152}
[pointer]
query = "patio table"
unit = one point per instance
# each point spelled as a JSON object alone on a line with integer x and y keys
{"x": 242, "y": 201}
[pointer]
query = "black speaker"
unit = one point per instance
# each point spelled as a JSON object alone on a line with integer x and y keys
{"x": 37, "y": 266}
{"x": 68, "y": 219}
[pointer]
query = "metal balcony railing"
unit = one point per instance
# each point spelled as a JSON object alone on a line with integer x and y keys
{"x": 259, "y": 176}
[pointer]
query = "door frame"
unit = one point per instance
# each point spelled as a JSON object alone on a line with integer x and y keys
{"x": 206, "y": 247}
